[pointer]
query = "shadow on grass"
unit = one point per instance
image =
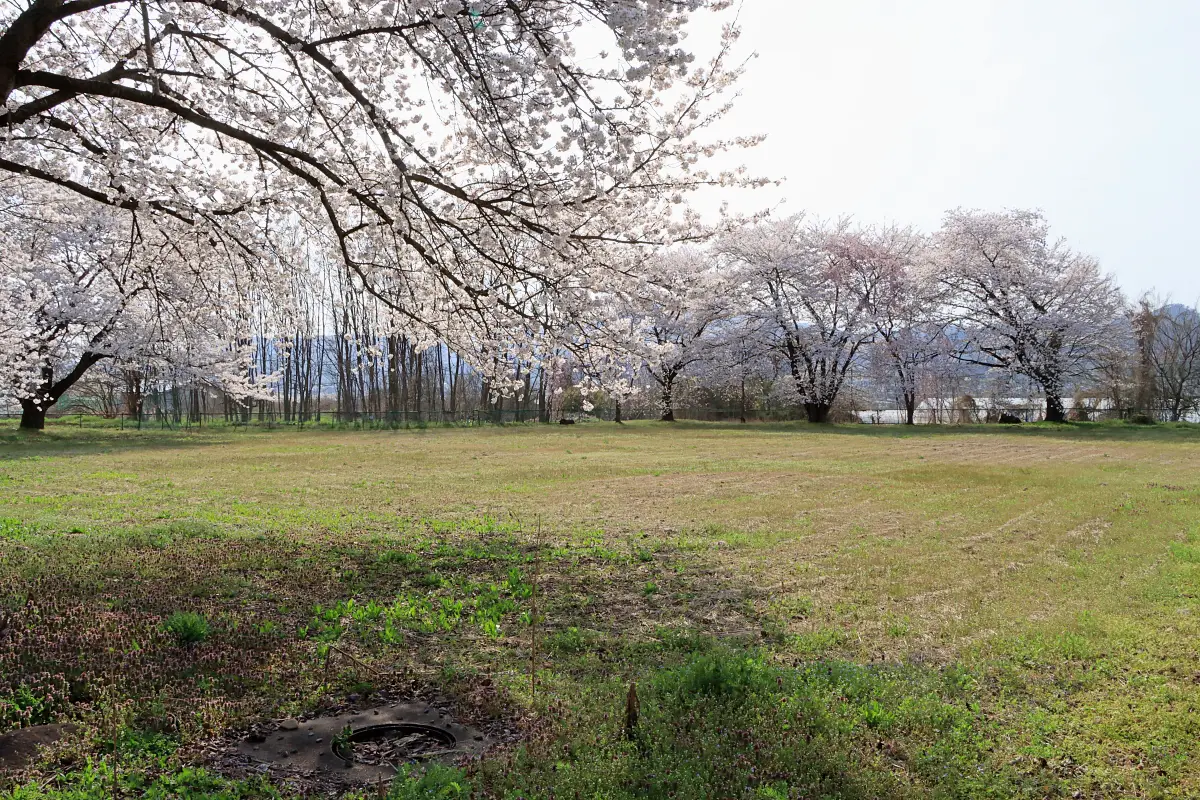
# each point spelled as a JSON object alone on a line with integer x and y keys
{"x": 63, "y": 439}
{"x": 719, "y": 717}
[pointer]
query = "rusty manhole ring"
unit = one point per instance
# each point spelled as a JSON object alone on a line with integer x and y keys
{"x": 393, "y": 743}
{"x": 313, "y": 745}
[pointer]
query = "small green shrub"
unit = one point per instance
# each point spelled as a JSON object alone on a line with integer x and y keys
{"x": 570, "y": 640}
{"x": 343, "y": 745}
{"x": 1188, "y": 553}
{"x": 131, "y": 741}
{"x": 187, "y": 627}
{"x": 435, "y": 782}
{"x": 98, "y": 781}
{"x": 401, "y": 557}
{"x": 815, "y": 644}
{"x": 190, "y": 529}
{"x": 719, "y": 675}
{"x": 431, "y": 580}
{"x": 14, "y": 529}
{"x": 517, "y": 585}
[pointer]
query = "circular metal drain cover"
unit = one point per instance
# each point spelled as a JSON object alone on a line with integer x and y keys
{"x": 394, "y": 743}
{"x": 315, "y": 744}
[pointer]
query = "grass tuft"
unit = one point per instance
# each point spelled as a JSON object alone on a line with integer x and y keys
{"x": 187, "y": 627}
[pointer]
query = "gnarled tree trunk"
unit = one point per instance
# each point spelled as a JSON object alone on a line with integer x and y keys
{"x": 817, "y": 412}
{"x": 33, "y": 417}
{"x": 1055, "y": 410}
{"x": 49, "y": 391}
{"x": 668, "y": 401}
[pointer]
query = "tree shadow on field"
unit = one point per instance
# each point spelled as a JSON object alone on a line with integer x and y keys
{"x": 728, "y": 694}
{"x": 63, "y": 438}
{"x": 63, "y": 441}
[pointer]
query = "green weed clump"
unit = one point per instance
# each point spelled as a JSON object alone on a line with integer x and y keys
{"x": 434, "y": 782}
{"x": 187, "y": 627}
{"x": 569, "y": 641}
{"x": 35, "y": 702}
{"x": 98, "y": 780}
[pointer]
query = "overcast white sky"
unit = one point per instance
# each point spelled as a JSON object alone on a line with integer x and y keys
{"x": 897, "y": 111}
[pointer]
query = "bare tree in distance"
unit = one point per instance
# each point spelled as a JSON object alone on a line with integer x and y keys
{"x": 1174, "y": 357}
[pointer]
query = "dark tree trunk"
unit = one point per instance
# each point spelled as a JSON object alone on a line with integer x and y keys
{"x": 910, "y": 408}
{"x": 32, "y": 417}
{"x": 543, "y": 409}
{"x": 817, "y": 412}
{"x": 442, "y": 382}
{"x": 1054, "y": 409}
{"x": 418, "y": 389}
{"x": 526, "y": 396}
{"x": 617, "y": 417}
{"x": 49, "y": 392}
{"x": 668, "y": 399}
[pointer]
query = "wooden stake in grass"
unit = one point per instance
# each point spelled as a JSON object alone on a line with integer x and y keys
{"x": 533, "y": 612}
{"x": 631, "y": 710}
{"x": 114, "y": 731}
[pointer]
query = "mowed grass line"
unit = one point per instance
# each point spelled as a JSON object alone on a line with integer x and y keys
{"x": 1061, "y": 566}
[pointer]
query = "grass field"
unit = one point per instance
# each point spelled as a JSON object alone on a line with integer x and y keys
{"x": 851, "y": 611}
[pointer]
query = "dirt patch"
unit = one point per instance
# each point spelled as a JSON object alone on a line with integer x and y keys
{"x": 19, "y": 748}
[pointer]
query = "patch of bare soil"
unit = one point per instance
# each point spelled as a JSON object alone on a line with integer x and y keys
{"x": 19, "y": 748}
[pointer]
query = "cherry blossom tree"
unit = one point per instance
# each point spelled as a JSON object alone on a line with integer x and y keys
{"x": 486, "y": 168}
{"x": 903, "y": 299}
{"x": 78, "y": 288}
{"x": 813, "y": 282}
{"x": 740, "y": 354}
{"x": 683, "y": 298}
{"x": 1028, "y": 304}
{"x": 608, "y": 359}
